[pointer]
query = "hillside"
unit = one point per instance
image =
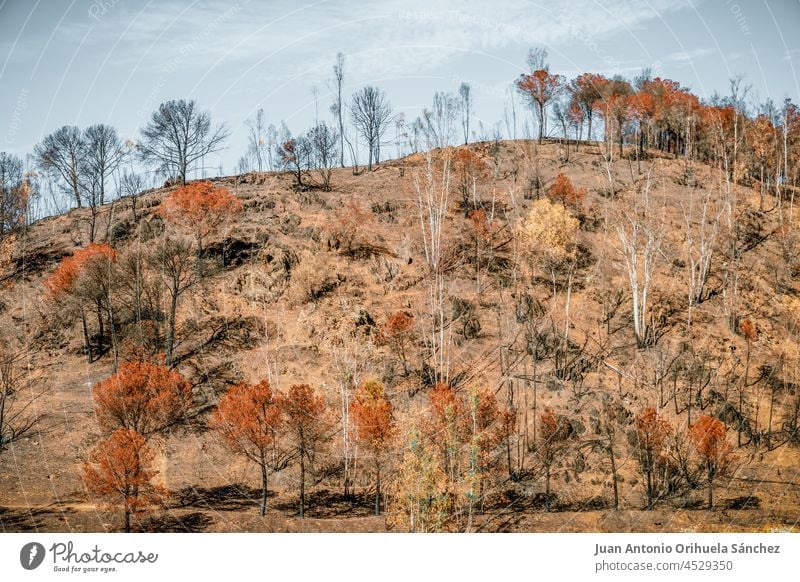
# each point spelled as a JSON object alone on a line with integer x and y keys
{"x": 298, "y": 289}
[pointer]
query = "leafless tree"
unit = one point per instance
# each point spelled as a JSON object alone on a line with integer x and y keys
{"x": 371, "y": 113}
{"x": 64, "y": 151}
{"x": 19, "y": 415}
{"x": 257, "y": 138}
{"x": 296, "y": 156}
{"x": 131, "y": 185}
{"x": 104, "y": 153}
{"x": 338, "y": 105}
{"x": 433, "y": 189}
{"x": 537, "y": 59}
{"x": 324, "y": 151}
{"x": 178, "y": 135}
{"x": 465, "y": 92}
{"x": 173, "y": 259}
{"x": 700, "y": 238}
{"x": 13, "y": 205}
{"x": 440, "y": 119}
{"x": 640, "y": 237}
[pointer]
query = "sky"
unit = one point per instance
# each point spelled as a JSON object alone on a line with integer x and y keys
{"x": 79, "y": 62}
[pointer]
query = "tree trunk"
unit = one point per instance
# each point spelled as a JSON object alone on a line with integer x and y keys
{"x": 302, "y": 477}
{"x": 173, "y": 310}
{"x": 547, "y": 490}
{"x": 378, "y": 490}
{"x": 101, "y": 331}
{"x": 113, "y": 329}
{"x": 541, "y": 122}
{"x": 87, "y": 344}
{"x": 614, "y": 474}
{"x": 263, "y": 508}
{"x": 127, "y": 509}
{"x": 710, "y": 488}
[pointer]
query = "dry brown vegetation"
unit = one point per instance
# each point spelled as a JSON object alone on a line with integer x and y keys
{"x": 519, "y": 343}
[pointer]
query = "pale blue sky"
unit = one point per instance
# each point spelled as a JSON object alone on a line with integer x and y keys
{"x": 113, "y": 61}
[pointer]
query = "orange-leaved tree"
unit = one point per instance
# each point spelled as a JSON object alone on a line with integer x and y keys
{"x": 250, "y": 419}
{"x": 201, "y": 207}
{"x": 488, "y": 428}
{"x": 539, "y": 88}
{"x": 562, "y": 190}
{"x": 709, "y": 436}
{"x": 307, "y": 429}
{"x": 555, "y": 432}
{"x": 119, "y": 471}
{"x": 398, "y": 333}
{"x": 142, "y": 396}
{"x": 447, "y": 430}
{"x": 86, "y": 278}
{"x": 649, "y": 443}
{"x": 375, "y": 429}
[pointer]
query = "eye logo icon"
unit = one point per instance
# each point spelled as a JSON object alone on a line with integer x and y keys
{"x": 31, "y": 555}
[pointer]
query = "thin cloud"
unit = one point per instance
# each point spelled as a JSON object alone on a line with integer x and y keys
{"x": 686, "y": 57}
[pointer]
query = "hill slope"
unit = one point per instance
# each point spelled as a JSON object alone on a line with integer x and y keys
{"x": 298, "y": 290}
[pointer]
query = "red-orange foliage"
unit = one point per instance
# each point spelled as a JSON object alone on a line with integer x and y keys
{"x": 250, "y": 418}
{"x": 398, "y": 332}
{"x": 65, "y": 279}
{"x": 709, "y": 436}
{"x": 371, "y": 412}
{"x": 142, "y": 396}
{"x": 490, "y": 427}
{"x": 466, "y": 161}
{"x": 585, "y": 91}
{"x": 554, "y": 434}
{"x": 372, "y": 418}
{"x": 540, "y": 87}
{"x": 652, "y": 433}
{"x": 480, "y": 224}
{"x": 85, "y": 279}
{"x": 306, "y": 427}
{"x": 119, "y": 471}
{"x": 444, "y": 403}
{"x": 748, "y": 329}
{"x": 446, "y": 427}
{"x": 202, "y": 207}
{"x": 562, "y": 190}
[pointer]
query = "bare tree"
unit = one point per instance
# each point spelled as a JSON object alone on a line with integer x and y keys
{"x": 64, "y": 151}
{"x": 640, "y": 239}
{"x": 701, "y": 234}
{"x": 440, "y": 119}
{"x": 371, "y": 113}
{"x": 465, "y": 92}
{"x": 295, "y": 154}
{"x": 338, "y": 105}
{"x": 257, "y": 138}
{"x": 13, "y": 203}
{"x": 173, "y": 259}
{"x": 178, "y": 135}
{"x": 18, "y": 414}
{"x": 433, "y": 190}
{"x": 131, "y": 185}
{"x": 324, "y": 151}
{"x": 104, "y": 153}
